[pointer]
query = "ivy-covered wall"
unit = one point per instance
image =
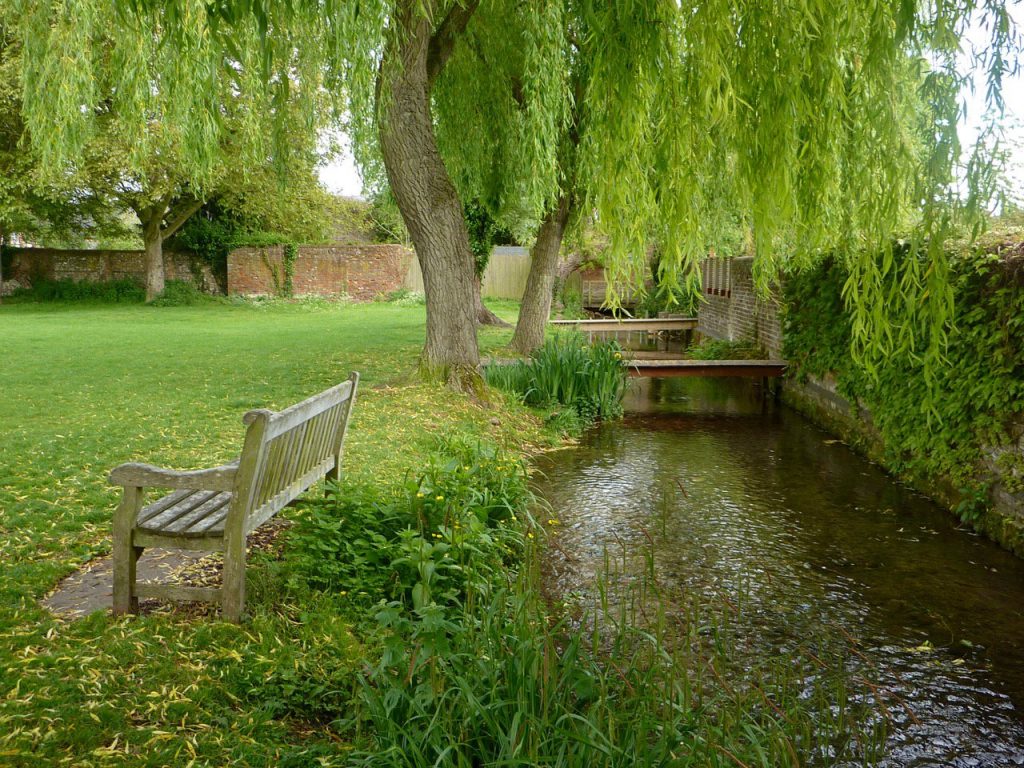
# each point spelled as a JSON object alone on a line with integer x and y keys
{"x": 954, "y": 431}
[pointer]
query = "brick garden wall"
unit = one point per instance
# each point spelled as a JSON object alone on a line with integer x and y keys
{"x": 360, "y": 271}
{"x": 98, "y": 266}
{"x": 733, "y": 310}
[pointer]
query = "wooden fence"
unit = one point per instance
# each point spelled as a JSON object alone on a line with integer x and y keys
{"x": 504, "y": 278}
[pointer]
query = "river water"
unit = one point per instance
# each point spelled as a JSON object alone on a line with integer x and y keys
{"x": 743, "y": 497}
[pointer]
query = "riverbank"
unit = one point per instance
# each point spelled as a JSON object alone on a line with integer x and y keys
{"x": 943, "y": 412}
{"x": 398, "y": 622}
{"x": 951, "y": 427}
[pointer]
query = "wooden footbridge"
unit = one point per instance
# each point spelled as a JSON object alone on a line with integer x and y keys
{"x": 664, "y": 363}
{"x": 658, "y": 368}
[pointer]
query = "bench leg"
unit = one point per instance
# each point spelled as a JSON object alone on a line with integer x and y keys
{"x": 233, "y": 587}
{"x": 126, "y": 556}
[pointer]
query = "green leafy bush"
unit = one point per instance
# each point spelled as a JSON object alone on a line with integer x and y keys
{"x": 512, "y": 681}
{"x": 470, "y": 664}
{"x": 211, "y": 239}
{"x": 181, "y": 293}
{"x": 566, "y": 371}
{"x": 113, "y": 291}
{"x": 722, "y": 349}
{"x": 932, "y": 421}
{"x": 403, "y": 297}
{"x": 441, "y": 538}
{"x": 664, "y": 299}
{"x": 572, "y": 304}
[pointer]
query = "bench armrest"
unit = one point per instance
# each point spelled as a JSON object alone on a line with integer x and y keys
{"x": 147, "y": 476}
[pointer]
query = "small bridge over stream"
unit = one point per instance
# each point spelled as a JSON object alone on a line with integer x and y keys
{"x": 657, "y": 364}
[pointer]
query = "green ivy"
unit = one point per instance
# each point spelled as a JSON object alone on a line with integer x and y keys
{"x": 289, "y": 254}
{"x": 933, "y": 422}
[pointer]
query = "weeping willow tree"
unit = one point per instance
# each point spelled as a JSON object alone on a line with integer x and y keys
{"x": 829, "y": 129}
{"x": 808, "y": 113}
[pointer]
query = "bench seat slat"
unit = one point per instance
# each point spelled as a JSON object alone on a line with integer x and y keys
{"x": 179, "y": 508}
{"x": 218, "y": 504}
{"x": 152, "y": 510}
{"x": 212, "y": 525}
{"x": 186, "y": 518}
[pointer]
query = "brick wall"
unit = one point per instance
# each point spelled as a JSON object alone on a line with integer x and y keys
{"x": 732, "y": 309}
{"x": 360, "y": 271}
{"x": 98, "y": 266}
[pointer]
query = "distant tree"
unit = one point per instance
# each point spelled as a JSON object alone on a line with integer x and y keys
{"x": 146, "y": 145}
{"x": 260, "y": 207}
{"x": 28, "y": 206}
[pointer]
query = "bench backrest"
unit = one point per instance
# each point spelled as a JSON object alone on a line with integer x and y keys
{"x": 286, "y": 452}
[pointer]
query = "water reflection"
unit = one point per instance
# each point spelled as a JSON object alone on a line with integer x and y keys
{"x": 748, "y": 498}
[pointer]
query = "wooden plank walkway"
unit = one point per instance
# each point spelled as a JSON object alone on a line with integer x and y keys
{"x": 657, "y": 368}
{"x": 651, "y": 367}
{"x": 650, "y": 325}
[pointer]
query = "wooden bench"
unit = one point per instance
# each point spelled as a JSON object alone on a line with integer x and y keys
{"x": 215, "y": 509}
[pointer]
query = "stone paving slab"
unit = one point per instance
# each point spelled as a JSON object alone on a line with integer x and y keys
{"x": 91, "y": 589}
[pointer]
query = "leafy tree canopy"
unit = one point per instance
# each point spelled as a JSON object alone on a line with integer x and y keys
{"x": 826, "y": 122}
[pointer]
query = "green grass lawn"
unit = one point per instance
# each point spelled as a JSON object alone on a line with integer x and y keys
{"x": 84, "y": 388}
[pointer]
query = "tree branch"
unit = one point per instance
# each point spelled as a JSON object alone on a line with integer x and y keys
{"x": 179, "y": 216}
{"x": 442, "y": 43}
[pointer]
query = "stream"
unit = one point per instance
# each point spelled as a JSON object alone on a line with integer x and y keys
{"x": 747, "y": 498}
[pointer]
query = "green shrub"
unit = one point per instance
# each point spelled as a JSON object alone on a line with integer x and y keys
{"x": 572, "y": 304}
{"x": 180, "y": 293}
{"x": 658, "y": 300}
{"x": 113, "y": 291}
{"x": 440, "y": 538}
{"x": 932, "y": 422}
{"x": 566, "y": 371}
{"x": 721, "y": 349}
{"x": 472, "y": 666}
{"x": 507, "y": 683}
{"x": 403, "y": 297}
{"x": 211, "y": 239}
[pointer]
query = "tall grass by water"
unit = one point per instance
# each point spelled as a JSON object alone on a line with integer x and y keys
{"x": 566, "y": 371}
{"x": 479, "y": 667}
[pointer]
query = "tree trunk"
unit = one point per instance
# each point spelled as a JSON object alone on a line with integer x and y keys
{"x": 428, "y": 202}
{"x": 536, "y": 306}
{"x": 2, "y": 236}
{"x": 153, "y": 239}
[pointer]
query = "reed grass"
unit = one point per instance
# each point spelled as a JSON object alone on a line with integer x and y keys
{"x": 490, "y": 672}
{"x": 519, "y": 683}
{"x": 566, "y": 371}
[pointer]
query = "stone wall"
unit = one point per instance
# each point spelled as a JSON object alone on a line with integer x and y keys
{"x": 24, "y": 266}
{"x": 359, "y": 271}
{"x": 732, "y": 309}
